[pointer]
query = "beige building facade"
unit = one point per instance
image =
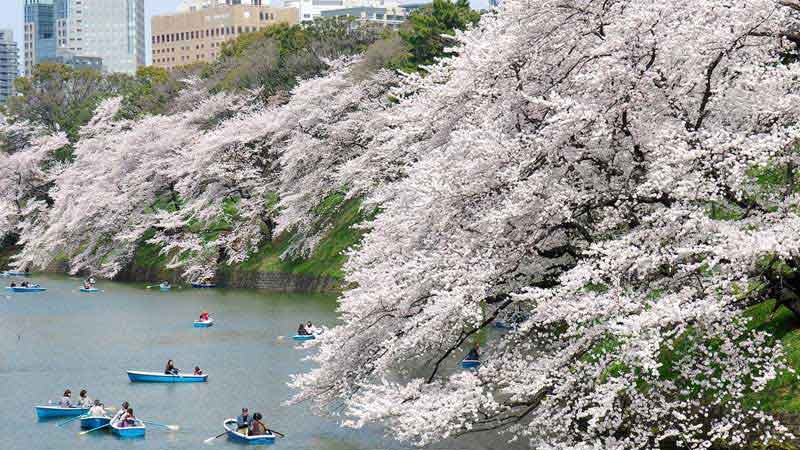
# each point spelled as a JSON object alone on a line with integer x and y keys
{"x": 197, "y": 36}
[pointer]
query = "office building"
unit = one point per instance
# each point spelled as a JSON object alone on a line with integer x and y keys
{"x": 9, "y": 69}
{"x": 197, "y": 5}
{"x": 311, "y": 9}
{"x": 112, "y": 30}
{"x": 41, "y": 22}
{"x": 389, "y": 16}
{"x": 197, "y": 35}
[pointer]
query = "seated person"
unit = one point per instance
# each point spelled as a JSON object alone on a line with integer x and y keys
{"x": 97, "y": 410}
{"x": 243, "y": 422}
{"x": 66, "y": 400}
{"x": 204, "y": 316}
{"x": 257, "y": 428}
{"x": 197, "y": 370}
{"x": 301, "y": 330}
{"x": 170, "y": 369}
{"x": 474, "y": 354}
{"x": 118, "y": 416}
{"x": 128, "y": 419}
{"x": 84, "y": 401}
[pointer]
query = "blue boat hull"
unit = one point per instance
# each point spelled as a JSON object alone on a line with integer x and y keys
{"x": 148, "y": 377}
{"x": 91, "y": 423}
{"x": 203, "y": 324}
{"x": 470, "y": 364}
{"x": 234, "y": 436}
{"x": 128, "y": 432}
{"x": 46, "y": 412}
{"x": 24, "y": 289}
{"x": 14, "y": 273}
{"x": 90, "y": 291}
{"x": 301, "y": 337}
{"x": 203, "y": 285}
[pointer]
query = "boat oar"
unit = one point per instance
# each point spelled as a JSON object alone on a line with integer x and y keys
{"x": 70, "y": 420}
{"x": 276, "y": 432}
{"x": 169, "y": 427}
{"x": 208, "y": 441}
{"x": 94, "y": 429}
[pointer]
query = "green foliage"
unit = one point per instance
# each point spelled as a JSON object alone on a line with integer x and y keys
{"x": 781, "y": 395}
{"x": 328, "y": 258}
{"x": 275, "y": 58}
{"x": 62, "y": 98}
{"x": 428, "y": 25}
{"x": 152, "y": 91}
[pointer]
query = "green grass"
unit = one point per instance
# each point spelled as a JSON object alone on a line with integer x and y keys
{"x": 328, "y": 257}
{"x": 782, "y": 395}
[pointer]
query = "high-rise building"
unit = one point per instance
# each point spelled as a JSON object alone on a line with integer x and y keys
{"x": 41, "y": 21}
{"x": 196, "y": 34}
{"x": 112, "y": 30}
{"x": 9, "y": 68}
{"x": 388, "y": 16}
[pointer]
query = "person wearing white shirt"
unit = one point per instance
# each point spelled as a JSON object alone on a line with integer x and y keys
{"x": 84, "y": 401}
{"x": 97, "y": 410}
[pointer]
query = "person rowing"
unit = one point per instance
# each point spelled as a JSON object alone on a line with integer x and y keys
{"x": 84, "y": 401}
{"x": 243, "y": 422}
{"x": 170, "y": 369}
{"x": 118, "y": 416}
{"x": 302, "y": 331}
{"x": 128, "y": 419}
{"x": 204, "y": 316}
{"x": 474, "y": 354}
{"x": 97, "y": 409}
{"x": 257, "y": 427}
{"x": 197, "y": 371}
{"x": 66, "y": 400}
{"x": 310, "y": 328}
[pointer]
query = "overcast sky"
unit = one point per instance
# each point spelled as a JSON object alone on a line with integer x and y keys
{"x": 12, "y": 16}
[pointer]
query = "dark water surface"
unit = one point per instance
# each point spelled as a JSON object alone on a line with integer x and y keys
{"x": 66, "y": 339}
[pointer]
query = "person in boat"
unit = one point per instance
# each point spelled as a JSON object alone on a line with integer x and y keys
{"x": 118, "y": 416}
{"x": 86, "y": 285}
{"x": 66, "y": 400}
{"x": 204, "y": 316}
{"x": 257, "y": 427}
{"x": 474, "y": 354}
{"x": 164, "y": 284}
{"x": 243, "y": 421}
{"x": 301, "y": 330}
{"x": 310, "y": 328}
{"x": 128, "y": 419}
{"x": 24, "y": 284}
{"x": 83, "y": 399}
{"x": 97, "y": 409}
{"x": 13, "y": 284}
{"x": 170, "y": 369}
{"x": 197, "y": 370}
{"x": 92, "y": 281}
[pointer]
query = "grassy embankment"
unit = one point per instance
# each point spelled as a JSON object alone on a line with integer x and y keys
{"x": 326, "y": 260}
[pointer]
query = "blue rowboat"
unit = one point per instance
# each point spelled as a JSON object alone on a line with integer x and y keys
{"x": 135, "y": 431}
{"x": 470, "y": 363}
{"x": 16, "y": 273}
{"x": 26, "y": 289}
{"x": 303, "y": 337}
{"x": 235, "y": 436}
{"x": 204, "y": 285}
{"x": 49, "y": 411}
{"x": 203, "y": 323}
{"x": 90, "y": 290}
{"x": 92, "y": 422}
{"x": 160, "y": 377}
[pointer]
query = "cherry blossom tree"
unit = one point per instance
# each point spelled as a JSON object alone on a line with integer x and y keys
{"x": 608, "y": 169}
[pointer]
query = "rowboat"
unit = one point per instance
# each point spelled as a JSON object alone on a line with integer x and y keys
{"x": 26, "y": 289}
{"x": 48, "y": 411}
{"x": 203, "y": 323}
{"x": 16, "y": 273}
{"x": 470, "y": 363}
{"x": 92, "y": 422}
{"x": 159, "y": 377}
{"x": 135, "y": 431}
{"x": 164, "y": 287}
{"x": 234, "y": 435}
{"x": 303, "y": 337}
{"x": 203, "y": 285}
{"x": 89, "y": 290}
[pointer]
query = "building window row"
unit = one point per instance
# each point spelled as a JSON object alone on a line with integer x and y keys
{"x": 213, "y": 32}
